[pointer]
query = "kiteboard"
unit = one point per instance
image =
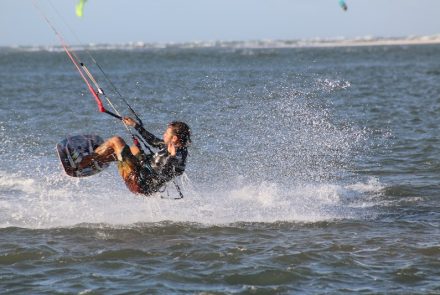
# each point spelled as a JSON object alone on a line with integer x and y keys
{"x": 73, "y": 149}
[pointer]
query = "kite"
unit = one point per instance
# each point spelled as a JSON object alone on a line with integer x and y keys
{"x": 343, "y": 5}
{"x": 80, "y": 8}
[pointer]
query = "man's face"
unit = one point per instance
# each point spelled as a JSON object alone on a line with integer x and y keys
{"x": 168, "y": 136}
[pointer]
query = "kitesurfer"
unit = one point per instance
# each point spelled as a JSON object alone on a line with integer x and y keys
{"x": 142, "y": 173}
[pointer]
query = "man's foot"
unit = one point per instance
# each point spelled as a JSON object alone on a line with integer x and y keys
{"x": 86, "y": 161}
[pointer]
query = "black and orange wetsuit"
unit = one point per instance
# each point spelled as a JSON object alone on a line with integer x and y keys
{"x": 150, "y": 172}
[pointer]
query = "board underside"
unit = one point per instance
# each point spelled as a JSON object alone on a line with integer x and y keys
{"x": 74, "y": 148}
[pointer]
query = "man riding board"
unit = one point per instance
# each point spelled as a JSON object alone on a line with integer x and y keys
{"x": 145, "y": 174}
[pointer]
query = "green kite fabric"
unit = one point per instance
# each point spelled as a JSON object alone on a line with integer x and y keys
{"x": 80, "y": 8}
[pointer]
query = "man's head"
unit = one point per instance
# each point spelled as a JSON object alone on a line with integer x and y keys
{"x": 178, "y": 133}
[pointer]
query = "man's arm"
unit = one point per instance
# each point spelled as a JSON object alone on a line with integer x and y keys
{"x": 149, "y": 137}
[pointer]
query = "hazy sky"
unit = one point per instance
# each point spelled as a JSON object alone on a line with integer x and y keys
{"x": 121, "y": 21}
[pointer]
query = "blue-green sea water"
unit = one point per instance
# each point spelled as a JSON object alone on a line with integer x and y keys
{"x": 312, "y": 171}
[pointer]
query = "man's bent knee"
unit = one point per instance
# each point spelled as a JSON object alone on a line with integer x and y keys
{"x": 117, "y": 142}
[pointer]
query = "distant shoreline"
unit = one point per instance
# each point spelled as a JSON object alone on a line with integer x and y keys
{"x": 378, "y": 42}
{"x": 251, "y": 44}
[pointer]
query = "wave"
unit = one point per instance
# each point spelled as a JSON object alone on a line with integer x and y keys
{"x": 251, "y": 44}
{"x": 59, "y": 201}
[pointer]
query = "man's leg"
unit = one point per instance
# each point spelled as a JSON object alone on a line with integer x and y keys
{"x": 106, "y": 152}
{"x": 134, "y": 150}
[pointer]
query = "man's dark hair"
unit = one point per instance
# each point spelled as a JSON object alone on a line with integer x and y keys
{"x": 182, "y": 131}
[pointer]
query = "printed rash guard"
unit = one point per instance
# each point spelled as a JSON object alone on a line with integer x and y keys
{"x": 160, "y": 167}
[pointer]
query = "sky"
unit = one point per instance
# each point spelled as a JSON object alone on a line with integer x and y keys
{"x": 178, "y": 21}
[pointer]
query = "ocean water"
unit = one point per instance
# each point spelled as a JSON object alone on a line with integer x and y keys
{"x": 312, "y": 171}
